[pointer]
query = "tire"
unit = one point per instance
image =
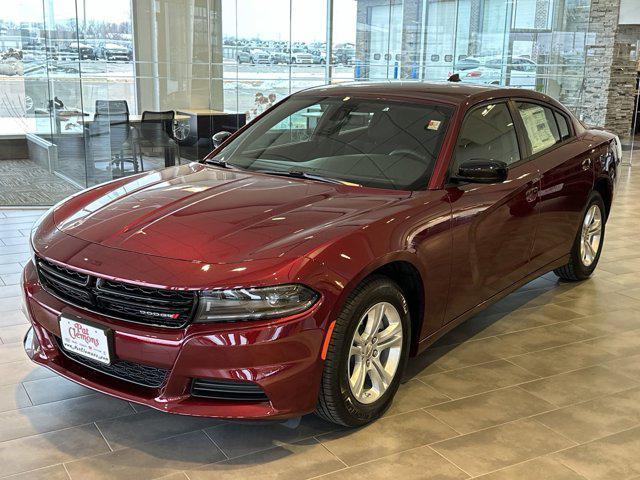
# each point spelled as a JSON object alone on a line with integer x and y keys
{"x": 337, "y": 402}
{"x": 578, "y": 268}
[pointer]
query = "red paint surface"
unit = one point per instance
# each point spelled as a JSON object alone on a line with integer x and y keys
{"x": 198, "y": 226}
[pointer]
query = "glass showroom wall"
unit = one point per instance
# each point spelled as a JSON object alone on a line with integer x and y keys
{"x": 92, "y": 90}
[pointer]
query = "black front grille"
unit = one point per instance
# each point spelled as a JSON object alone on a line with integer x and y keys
{"x": 150, "y": 306}
{"x": 233, "y": 390}
{"x": 144, "y": 375}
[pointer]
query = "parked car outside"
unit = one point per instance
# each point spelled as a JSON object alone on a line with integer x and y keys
{"x": 279, "y": 57}
{"x": 300, "y": 265}
{"x": 114, "y": 52}
{"x": 244, "y": 55}
{"x": 300, "y": 56}
{"x": 260, "y": 56}
{"x": 521, "y": 72}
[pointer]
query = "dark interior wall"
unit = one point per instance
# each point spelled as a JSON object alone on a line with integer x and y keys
{"x": 13, "y": 149}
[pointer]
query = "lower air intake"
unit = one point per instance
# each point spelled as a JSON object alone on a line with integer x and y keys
{"x": 230, "y": 390}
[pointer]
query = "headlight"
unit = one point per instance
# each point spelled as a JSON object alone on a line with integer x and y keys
{"x": 254, "y": 303}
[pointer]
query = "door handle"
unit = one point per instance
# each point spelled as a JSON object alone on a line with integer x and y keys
{"x": 532, "y": 194}
{"x": 586, "y": 164}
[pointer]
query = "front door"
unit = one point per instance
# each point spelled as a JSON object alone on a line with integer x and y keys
{"x": 493, "y": 225}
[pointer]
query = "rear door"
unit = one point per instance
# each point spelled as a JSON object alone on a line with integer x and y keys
{"x": 566, "y": 178}
{"x": 493, "y": 225}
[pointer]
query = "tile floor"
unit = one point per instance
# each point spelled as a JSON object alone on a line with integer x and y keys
{"x": 543, "y": 385}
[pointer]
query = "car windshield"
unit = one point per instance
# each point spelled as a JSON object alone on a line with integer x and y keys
{"x": 366, "y": 142}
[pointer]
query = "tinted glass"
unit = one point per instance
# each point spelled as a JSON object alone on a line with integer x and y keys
{"x": 540, "y": 125}
{"x": 487, "y": 134}
{"x": 368, "y": 142}
{"x": 563, "y": 126}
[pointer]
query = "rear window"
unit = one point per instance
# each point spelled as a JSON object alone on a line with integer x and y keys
{"x": 367, "y": 142}
{"x": 563, "y": 125}
{"x": 540, "y": 126}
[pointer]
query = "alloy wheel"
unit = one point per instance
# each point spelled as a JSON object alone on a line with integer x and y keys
{"x": 375, "y": 352}
{"x": 591, "y": 235}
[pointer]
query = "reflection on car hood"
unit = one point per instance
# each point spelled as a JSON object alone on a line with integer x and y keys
{"x": 202, "y": 213}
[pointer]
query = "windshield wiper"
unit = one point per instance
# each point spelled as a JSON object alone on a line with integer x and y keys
{"x": 305, "y": 176}
{"x": 221, "y": 163}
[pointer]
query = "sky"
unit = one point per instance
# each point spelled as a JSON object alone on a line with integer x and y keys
{"x": 265, "y": 19}
{"x": 269, "y": 19}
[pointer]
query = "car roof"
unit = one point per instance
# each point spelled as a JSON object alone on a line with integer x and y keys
{"x": 448, "y": 92}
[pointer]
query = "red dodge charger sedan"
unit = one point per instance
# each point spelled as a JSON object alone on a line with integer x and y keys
{"x": 311, "y": 253}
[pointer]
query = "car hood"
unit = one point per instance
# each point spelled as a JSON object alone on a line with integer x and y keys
{"x": 201, "y": 213}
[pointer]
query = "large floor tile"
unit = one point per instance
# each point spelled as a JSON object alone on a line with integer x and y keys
{"x": 11, "y": 319}
{"x": 450, "y": 357}
{"x": 59, "y": 415}
{"x": 498, "y": 447}
{"x": 14, "y": 333}
{"x": 595, "y": 418}
{"x": 386, "y": 436}
{"x": 305, "y": 459}
{"x": 418, "y": 464}
{"x": 629, "y": 366}
{"x": 579, "y": 385}
{"x": 56, "y": 472}
{"x": 620, "y": 344}
{"x": 611, "y": 322}
{"x": 614, "y": 457}
{"x": 131, "y": 430}
{"x": 606, "y": 302}
{"x": 489, "y": 409}
{"x": 542, "y": 468}
{"x": 148, "y": 461}
{"x": 236, "y": 439}
{"x": 562, "y": 359}
{"x": 30, "y": 453}
{"x": 12, "y": 397}
{"x": 53, "y": 389}
{"x": 478, "y": 379}
{"x": 21, "y": 371}
{"x": 484, "y": 325}
{"x": 415, "y": 394}
{"x": 12, "y": 352}
{"x": 546, "y": 337}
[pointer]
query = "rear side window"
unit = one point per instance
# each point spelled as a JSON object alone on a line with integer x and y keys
{"x": 563, "y": 126}
{"x": 487, "y": 134}
{"x": 540, "y": 125}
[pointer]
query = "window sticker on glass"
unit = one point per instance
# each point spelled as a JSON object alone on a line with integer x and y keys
{"x": 433, "y": 124}
{"x": 538, "y": 129}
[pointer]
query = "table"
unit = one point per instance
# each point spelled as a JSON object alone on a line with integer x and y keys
{"x": 205, "y": 122}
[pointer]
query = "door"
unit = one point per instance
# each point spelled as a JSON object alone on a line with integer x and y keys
{"x": 493, "y": 225}
{"x": 566, "y": 179}
{"x": 385, "y": 41}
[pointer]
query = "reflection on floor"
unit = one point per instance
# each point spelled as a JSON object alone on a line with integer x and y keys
{"x": 543, "y": 385}
{"x": 23, "y": 182}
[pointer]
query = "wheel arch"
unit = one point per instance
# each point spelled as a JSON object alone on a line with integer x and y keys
{"x": 604, "y": 187}
{"x": 403, "y": 270}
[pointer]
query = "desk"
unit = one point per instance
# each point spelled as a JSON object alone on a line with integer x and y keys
{"x": 132, "y": 119}
{"x": 204, "y": 123}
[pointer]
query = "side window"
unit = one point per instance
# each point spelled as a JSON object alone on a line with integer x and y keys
{"x": 540, "y": 126}
{"x": 563, "y": 126}
{"x": 487, "y": 133}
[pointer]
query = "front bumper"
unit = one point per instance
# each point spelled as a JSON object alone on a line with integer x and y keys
{"x": 282, "y": 357}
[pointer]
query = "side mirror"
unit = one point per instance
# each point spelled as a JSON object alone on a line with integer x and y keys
{"x": 481, "y": 171}
{"x": 219, "y": 138}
